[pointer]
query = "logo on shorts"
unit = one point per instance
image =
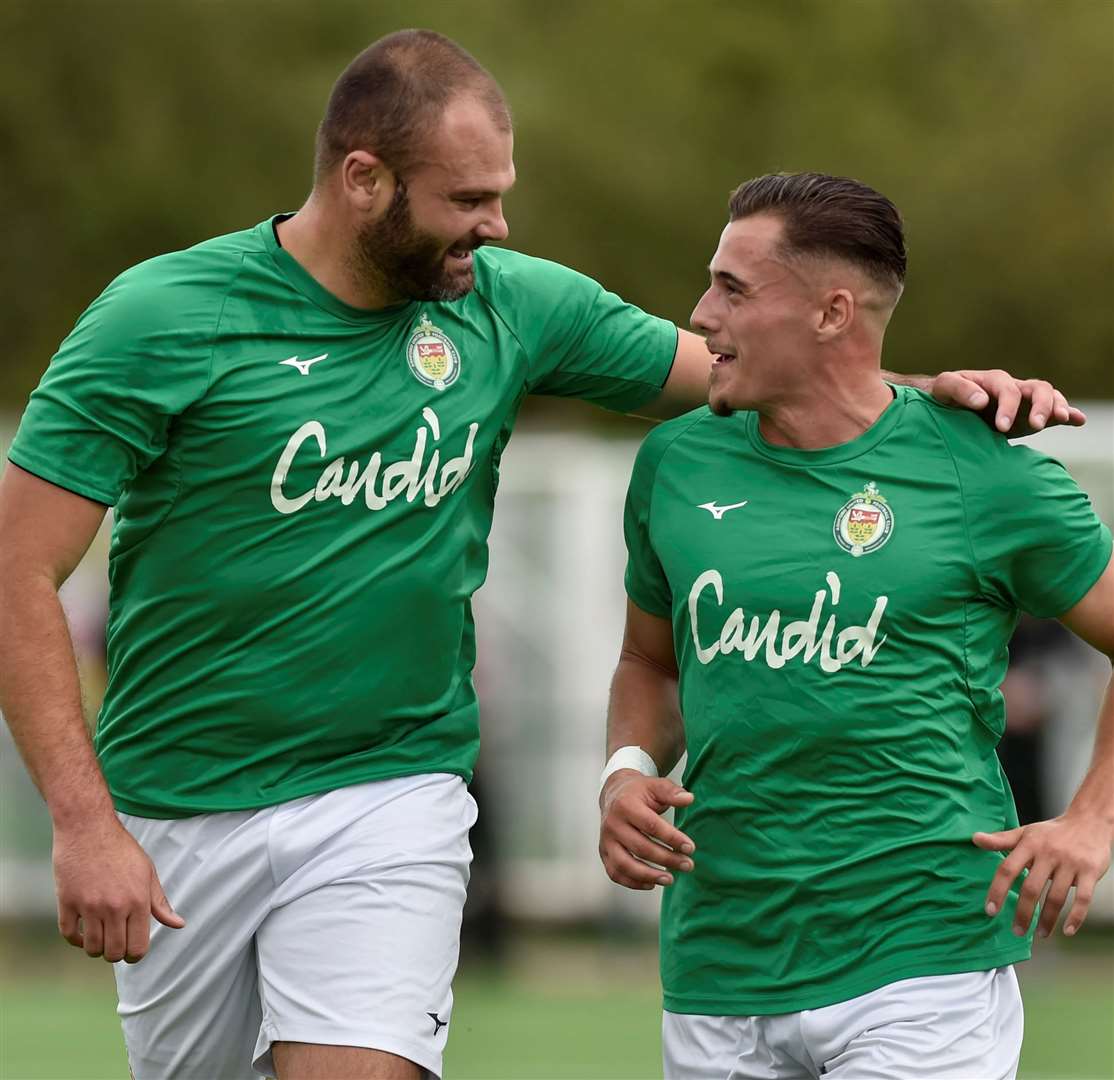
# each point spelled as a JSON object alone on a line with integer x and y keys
{"x": 432, "y": 356}
{"x": 438, "y": 1023}
{"x": 864, "y": 523}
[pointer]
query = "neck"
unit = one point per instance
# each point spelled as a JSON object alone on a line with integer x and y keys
{"x": 827, "y": 412}
{"x": 321, "y": 243}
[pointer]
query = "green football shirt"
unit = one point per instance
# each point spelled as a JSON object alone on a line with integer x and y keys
{"x": 840, "y": 618}
{"x": 303, "y": 494}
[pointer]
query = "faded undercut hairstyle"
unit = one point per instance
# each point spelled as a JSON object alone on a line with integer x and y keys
{"x": 389, "y": 99}
{"x": 830, "y": 215}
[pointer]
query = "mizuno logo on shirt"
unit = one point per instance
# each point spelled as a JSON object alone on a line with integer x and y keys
{"x": 718, "y": 511}
{"x": 303, "y": 366}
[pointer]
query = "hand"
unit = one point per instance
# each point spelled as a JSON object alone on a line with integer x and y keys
{"x": 1066, "y": 851}
{"x": 635, "y": 843}
{"x": 1023, "y": 406}
{"x": 107, "y": 891}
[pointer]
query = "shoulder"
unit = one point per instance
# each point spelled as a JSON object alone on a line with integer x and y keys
{"x": 505, "y": 278}
{"x": 668, "y": 434}
{"x": 179, "y": 288}
{"x": 986, "y": 461}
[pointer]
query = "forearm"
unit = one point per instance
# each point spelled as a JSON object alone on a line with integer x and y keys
{"x": 40, "y": 697}
{"x": 645, "y": 711}
{"x": 918, "y": 382}
{"x": 1095, "y": 797}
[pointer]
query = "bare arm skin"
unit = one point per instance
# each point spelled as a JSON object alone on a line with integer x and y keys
{"x": 637, "y": 847}
{"x": 107, "y": 887}
{"x": 1074, "y": 848}
{"x": 1015, "y": 407}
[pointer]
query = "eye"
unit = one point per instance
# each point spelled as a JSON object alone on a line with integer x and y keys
{"x": 468, "y": 202}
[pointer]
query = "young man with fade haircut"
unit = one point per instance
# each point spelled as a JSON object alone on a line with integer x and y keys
{"x": 824, "y": 571}
{"x": 300, "y": 428}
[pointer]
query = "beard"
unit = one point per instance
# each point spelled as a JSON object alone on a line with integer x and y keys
{"x": 407, "y": 261}
{"x": 717, "y": 401}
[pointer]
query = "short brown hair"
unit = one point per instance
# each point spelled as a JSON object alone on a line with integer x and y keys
{"x": 830, "y": 215}
{"x": 392, "y": 95}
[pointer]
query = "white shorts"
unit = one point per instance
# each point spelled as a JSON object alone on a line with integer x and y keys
{"x": 961, "y": 1027}
{"x": 331, "y": 919}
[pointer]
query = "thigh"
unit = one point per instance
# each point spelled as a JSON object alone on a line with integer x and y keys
{"x": 363, "y": 947}
{"x": 696, "y": 1047}
{"x": 190, "y": 1008}
{"x": 944, "y": 1027}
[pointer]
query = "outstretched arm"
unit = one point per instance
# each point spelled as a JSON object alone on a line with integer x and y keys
{"x": 637, "y": 847}
{"x": 1013, "y": 406}
{"x": 1073, "y": 849}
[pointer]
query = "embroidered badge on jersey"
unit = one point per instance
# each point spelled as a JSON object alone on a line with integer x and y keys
{"x": 432, "y": 356}
{"x": 864, "y": 523}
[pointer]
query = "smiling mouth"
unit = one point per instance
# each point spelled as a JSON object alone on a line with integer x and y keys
{"x": 722, "y": 358}
{"x": 459, "y": 256}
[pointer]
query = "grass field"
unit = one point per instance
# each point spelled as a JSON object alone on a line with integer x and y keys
{"x": 562, "y": 1008}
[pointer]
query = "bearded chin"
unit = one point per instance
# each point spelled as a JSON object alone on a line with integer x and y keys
{"x": 720, "y": 407}
{"x": 408, "y": 262}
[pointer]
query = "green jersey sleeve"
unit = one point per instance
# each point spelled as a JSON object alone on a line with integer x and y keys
{"x": 138, "y": 357}
{"x": 582, "y": 341}
{"x": 1038, "y": 544}
{"x": 645, "y": 579}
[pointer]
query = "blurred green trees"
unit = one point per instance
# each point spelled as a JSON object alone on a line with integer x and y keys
{"x": 129, "y": 128}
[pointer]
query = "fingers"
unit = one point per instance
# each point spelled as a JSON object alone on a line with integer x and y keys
{"x": 998, "y": 841}
{"x": 650, "y": 851}
{"x": 1004, "y": 877}
{"x": 955, "y": 388}
{"x": 1054, "y": 902}
{"x": 1029, "y": 896}
{"x": 93, "y": 934}
{"x": 160, "y": 906}
{"x": 69, "y": 926}
{"x": 1008, "y": 394}
{"x": 638, "y": 847}
{"x": 1084, "y": 893}
{"x": 1076, "y": 417}
{"x": 1061, "y": 410}
{"x": 115, "y": 938}
{"x": 666, "y": 793}
{"x": 139, "y": 937}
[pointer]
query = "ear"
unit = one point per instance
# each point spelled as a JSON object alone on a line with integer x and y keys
{"x": 368, "y": 184}
{"x": 836, "y": 314}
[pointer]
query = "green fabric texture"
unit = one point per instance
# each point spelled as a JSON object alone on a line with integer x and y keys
{"x": 841, "y": 707}
{"x": 295, "y": 547}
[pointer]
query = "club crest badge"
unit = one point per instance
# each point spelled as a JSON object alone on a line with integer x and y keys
{"x": 432, "y": 356}
{"x": 864, "y": 523}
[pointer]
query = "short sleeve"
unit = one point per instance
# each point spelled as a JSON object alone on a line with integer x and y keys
{"x": 646, "y": 582}
{"x": 1039, "y": 545}
{"x": 581, "y": 340}
{"x": 137, "y": 357}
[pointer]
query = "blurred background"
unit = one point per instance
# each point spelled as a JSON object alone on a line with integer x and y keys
{"x": 128, "y": 129}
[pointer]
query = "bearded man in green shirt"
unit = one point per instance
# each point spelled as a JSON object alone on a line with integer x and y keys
{"x": 824, "y": 571}
{"x": 300, "y": 427}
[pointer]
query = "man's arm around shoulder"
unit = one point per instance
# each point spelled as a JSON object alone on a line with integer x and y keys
{"x": 1012, "y": 406}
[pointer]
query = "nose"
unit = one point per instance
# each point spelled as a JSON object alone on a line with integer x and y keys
{"x": 702, "y": 319}
{"x": 494, "y": 225}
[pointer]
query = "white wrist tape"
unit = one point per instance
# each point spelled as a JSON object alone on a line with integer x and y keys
{"x": 629, "y": 757}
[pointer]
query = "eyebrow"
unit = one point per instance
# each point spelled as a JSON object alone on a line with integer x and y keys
{"x": 478, "y": 193}
{"x": 729, "y": 279}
